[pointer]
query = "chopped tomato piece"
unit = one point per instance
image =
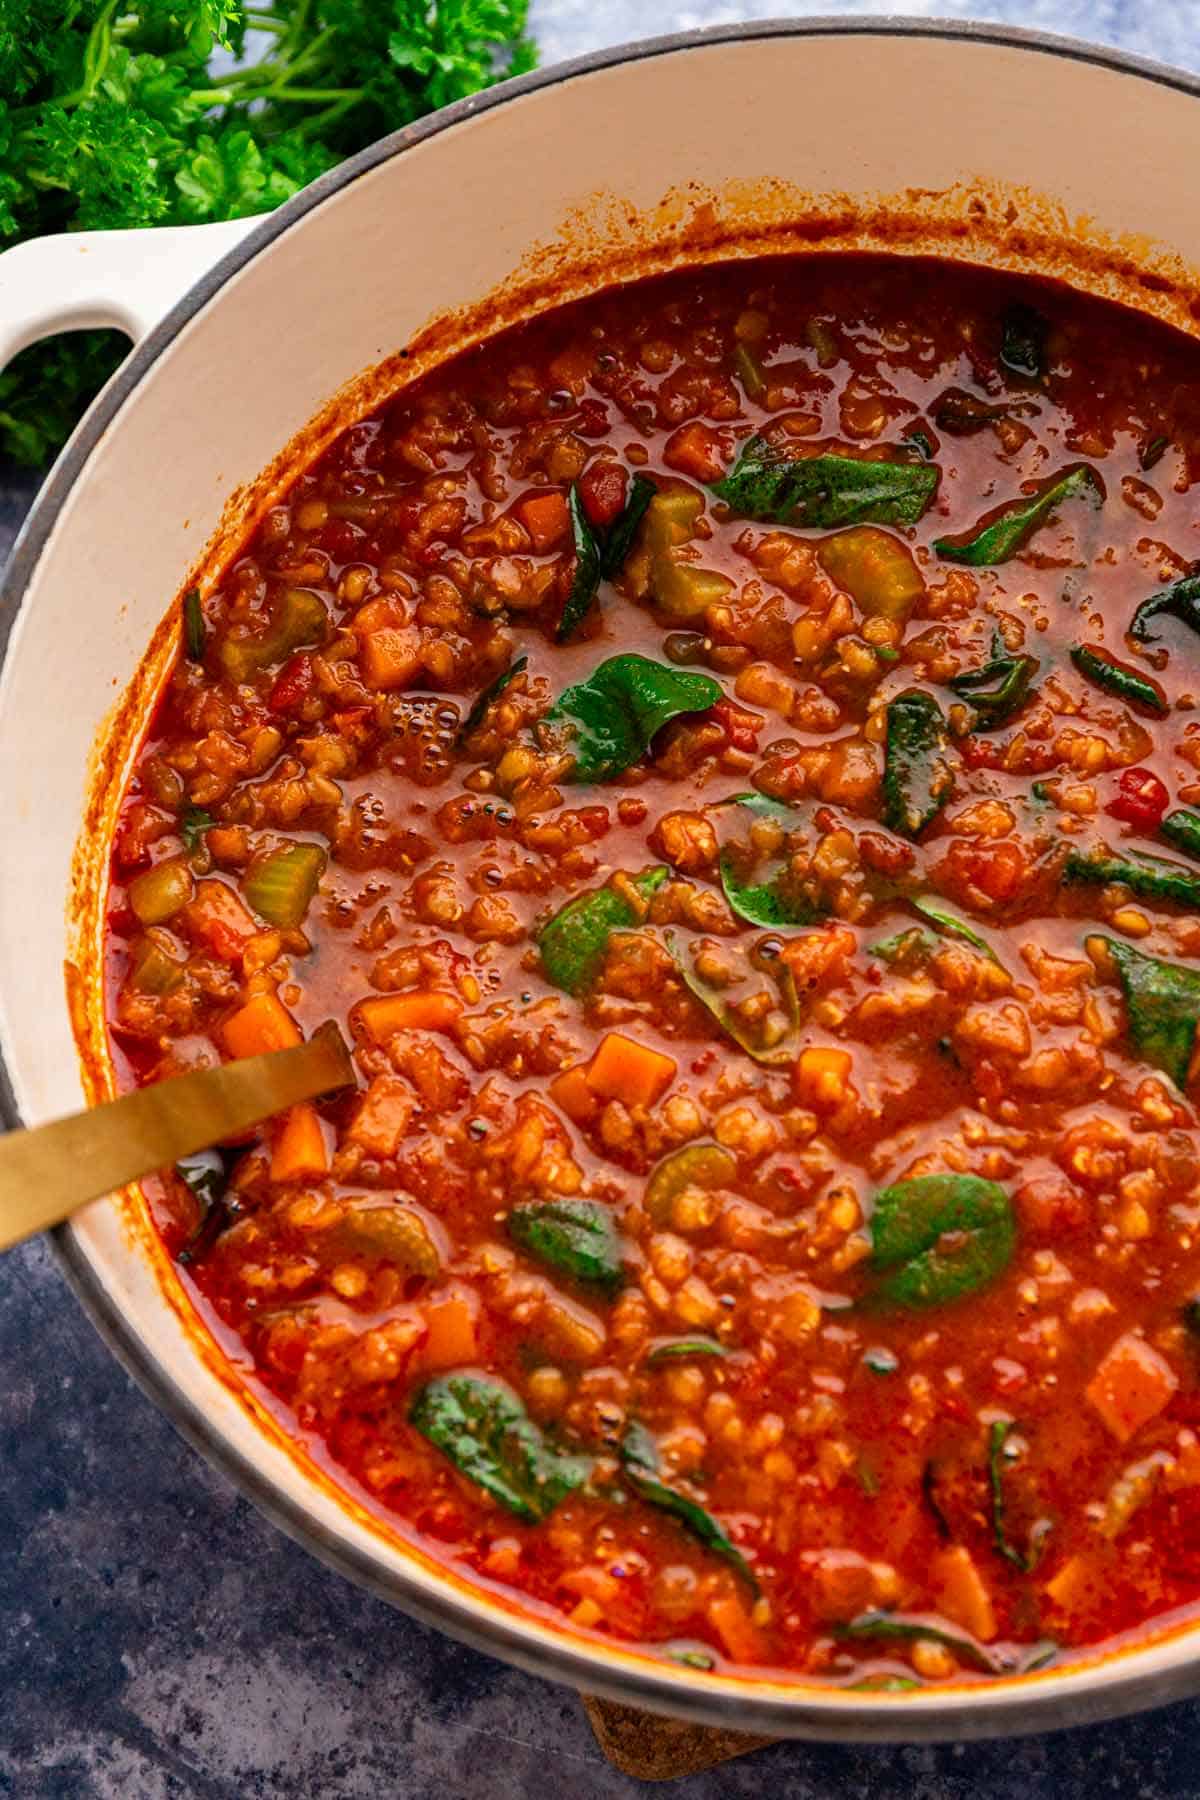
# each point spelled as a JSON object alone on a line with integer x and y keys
{"x": 602, "y": 490}
{"x": 293, "y": 684}
{"x": 740, "y": 727}
{"x": 217, "y": 918}
{"x": 340, "y": 539}
{"x": 1141, "y": 799}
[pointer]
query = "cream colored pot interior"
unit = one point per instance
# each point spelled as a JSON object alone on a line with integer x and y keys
{"x": 564, "y": 178}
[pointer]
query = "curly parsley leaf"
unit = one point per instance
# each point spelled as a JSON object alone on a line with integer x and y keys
{"x": 126, "y": 115}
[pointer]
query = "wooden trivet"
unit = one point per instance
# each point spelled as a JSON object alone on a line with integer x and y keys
{"x": 651, "y": 1748}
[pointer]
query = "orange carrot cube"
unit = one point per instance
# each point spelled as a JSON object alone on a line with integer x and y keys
{"x": 823, "y": 1076}
{"x": 389, "y": 658}
{"x": 390, "y": 1013}
{"x": 1131, "y": 1386}
{"x": 452, "y": 1320}
{"x": 623, "y": 1069}
{"x": 1079, "y": 1587}
{"x": 546, "y": 519}
{"x": 961, "y": 1592}
{"x": 300, "y": 1152}
{"x": 382, "y": 1117}
{"x": 572, "y": 1095}
{"x": 262, "y": 1024}
{"x": 388, "y": 647}
{"x": 736, "y": 1629}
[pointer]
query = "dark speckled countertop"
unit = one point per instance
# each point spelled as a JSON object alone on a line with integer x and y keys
{"x": 158, "y": 1639}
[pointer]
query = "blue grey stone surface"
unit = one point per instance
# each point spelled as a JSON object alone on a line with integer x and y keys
{"x": 158, "y": 1640}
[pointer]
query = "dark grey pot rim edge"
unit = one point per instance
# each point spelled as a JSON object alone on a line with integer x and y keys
{"x": 1019, "y": 1709}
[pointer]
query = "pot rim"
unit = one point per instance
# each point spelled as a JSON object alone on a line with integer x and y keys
{"x": 1102, "y": 1689}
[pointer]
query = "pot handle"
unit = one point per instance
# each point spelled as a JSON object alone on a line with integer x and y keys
{"x": 124, "y": 279}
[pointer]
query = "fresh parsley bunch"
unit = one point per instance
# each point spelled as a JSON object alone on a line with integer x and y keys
{"x": 172, "y": 112}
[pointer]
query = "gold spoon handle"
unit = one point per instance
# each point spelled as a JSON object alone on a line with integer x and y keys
{"x": 50, "y": 1170}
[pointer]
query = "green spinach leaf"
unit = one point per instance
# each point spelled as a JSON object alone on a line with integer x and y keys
{"x": 907, "y": 1628}
{"x": 729, "y": 1020}
{"x": 1118, "y": 678}
{"x": 479, "y": 1423}
{"x": 1023, "y": 342}
{"x": 573, "y": 942}
{"x": 1162, "y": 1004}
{"x": 207, "y": 1175}
{"x": 579, "y": 1237}
{"x": 639, "y": 1453}
{"x": 491, "y": 692}
{"x": 1179, "y": 601}
{"x": 910, "y": 946}
{"x": 998, "y": 689}
{"x": 1004, "y": 531}
{"x": 939, "y": 915}
{"x": 585, "y": 583}
{"x": 614, "y": 715}
{"x": 936, "y": 1238}
{"x": 1153, "y": 877}
{"x": 826, "y": 490}
{"x": 998, "y": 1436}
{"x": 690, "y": 1656}
{"x": 917, "y": 777}
{"x": 619, "y": 542}
{"x": 680, "y": 1349}
{"x": 194, "y": 634}
{"x": 765, "y": 903}
{"x": 1182, "y": 828}
{"x": 960, "y": 414}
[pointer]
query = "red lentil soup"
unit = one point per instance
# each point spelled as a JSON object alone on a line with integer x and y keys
{"x": 724, "y": 752}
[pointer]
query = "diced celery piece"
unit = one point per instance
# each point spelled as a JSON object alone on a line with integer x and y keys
{"x": 683, "y": 589}
{"x": 280, "y": 888}
{"x": 158, "y": 893}
{"x": 299, "y": 618}
{"x": 749, "y": 372}
{"x": 152, "y": 968}
{"x": 394, "y": 1234}
{"x": 696, "y": 1165}
{"x": 874, "y": 568}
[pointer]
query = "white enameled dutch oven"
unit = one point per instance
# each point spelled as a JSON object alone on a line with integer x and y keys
{"x": 1026, "y": 152}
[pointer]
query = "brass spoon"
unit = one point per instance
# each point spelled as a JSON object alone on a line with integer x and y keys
{"x": 49, "y": 1171}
